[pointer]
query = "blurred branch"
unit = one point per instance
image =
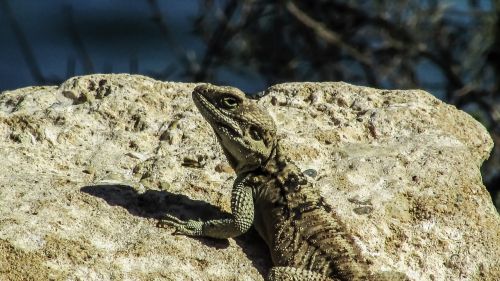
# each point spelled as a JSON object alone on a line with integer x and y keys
{"x": 326, "y": 34}
{"x": 397, "y": 32}
{"x": 70, "y": 67}
{"x": 133, "y": 64}
{"x": 468, "y": 95}
{"x": 26, "y": 49}
{"x": 77, "y": 41}
{"x": 494, "y": 52}
{"x": 158, "y": 18}
{"x": 216, "y": 44}
{"x": 444, "y": 63}
{"x": 474, "y": 3}
{"x": 167, "y": 71}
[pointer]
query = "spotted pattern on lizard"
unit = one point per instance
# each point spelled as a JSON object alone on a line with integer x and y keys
{"x": 306, "y": 239}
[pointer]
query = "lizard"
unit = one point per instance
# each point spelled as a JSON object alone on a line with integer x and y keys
{"x": 307, "y": 241}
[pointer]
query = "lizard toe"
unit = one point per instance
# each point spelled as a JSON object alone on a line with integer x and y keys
{"x": 189, "y": 227}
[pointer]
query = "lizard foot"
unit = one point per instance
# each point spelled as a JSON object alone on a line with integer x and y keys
{"x": 188, "y": 227}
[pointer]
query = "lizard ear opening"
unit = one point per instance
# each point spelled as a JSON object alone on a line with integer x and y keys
{"x": 255, "y": 134}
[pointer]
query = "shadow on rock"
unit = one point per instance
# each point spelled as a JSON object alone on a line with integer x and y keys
{"x": 156, "y": 204}
{"x": 153, "y": 203}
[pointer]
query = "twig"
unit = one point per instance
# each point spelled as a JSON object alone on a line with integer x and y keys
{"x": 26, "y": 49}
{"x": 159, "y": 19}
{"x": 217, "y": 42}
{"x": 326, "y": 34}
{"x": 77, "y": 41}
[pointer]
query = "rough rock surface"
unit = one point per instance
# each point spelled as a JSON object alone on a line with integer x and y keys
{"x": 89, "y": 166}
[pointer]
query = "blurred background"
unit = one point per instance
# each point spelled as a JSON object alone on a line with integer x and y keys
{"x": 450, "y": 48}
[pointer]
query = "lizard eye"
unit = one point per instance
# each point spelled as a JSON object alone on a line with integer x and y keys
{"x": 255, "y": 134}
{"x": 229, "y": 102}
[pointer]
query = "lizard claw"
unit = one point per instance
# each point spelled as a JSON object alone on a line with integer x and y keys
{"x": 170, "y": 220}
{"x": 189, "y": 227}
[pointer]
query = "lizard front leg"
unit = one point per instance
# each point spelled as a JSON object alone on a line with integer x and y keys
{"x": 241, "y": 219}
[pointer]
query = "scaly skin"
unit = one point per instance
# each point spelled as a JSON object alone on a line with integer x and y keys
{"x": 304, "y": 236}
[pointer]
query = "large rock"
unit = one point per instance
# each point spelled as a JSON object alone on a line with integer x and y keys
{"x": 89, "y": 166}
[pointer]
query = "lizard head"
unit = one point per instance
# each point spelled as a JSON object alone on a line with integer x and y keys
{"x": 246, "y": 131}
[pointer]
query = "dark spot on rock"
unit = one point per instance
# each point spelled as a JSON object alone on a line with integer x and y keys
{"x": 341, "y": 102}
{"x": 139, "y": 122}
{"x": 357, "y": 200}
{"x": 198, "y": 161}
{"x": 133, "y": 144}
{"x": 324, "y": 205}
{"x": 310, "y": 173}
{"x": 87, "y": 171}
{"x": 363, "y": 210}
{"x": 165, "y": 135}
{"x": 91, "y": 86}
{"x": 146, "y": 175}
{"x": 60, "y": 120}
{"x": 274, "y": 101}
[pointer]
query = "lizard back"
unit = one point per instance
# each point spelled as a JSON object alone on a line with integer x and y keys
{"x": 299, "y": 228}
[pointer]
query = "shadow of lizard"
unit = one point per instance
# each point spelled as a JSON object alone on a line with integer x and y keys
{"x": 155, "y": 204}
